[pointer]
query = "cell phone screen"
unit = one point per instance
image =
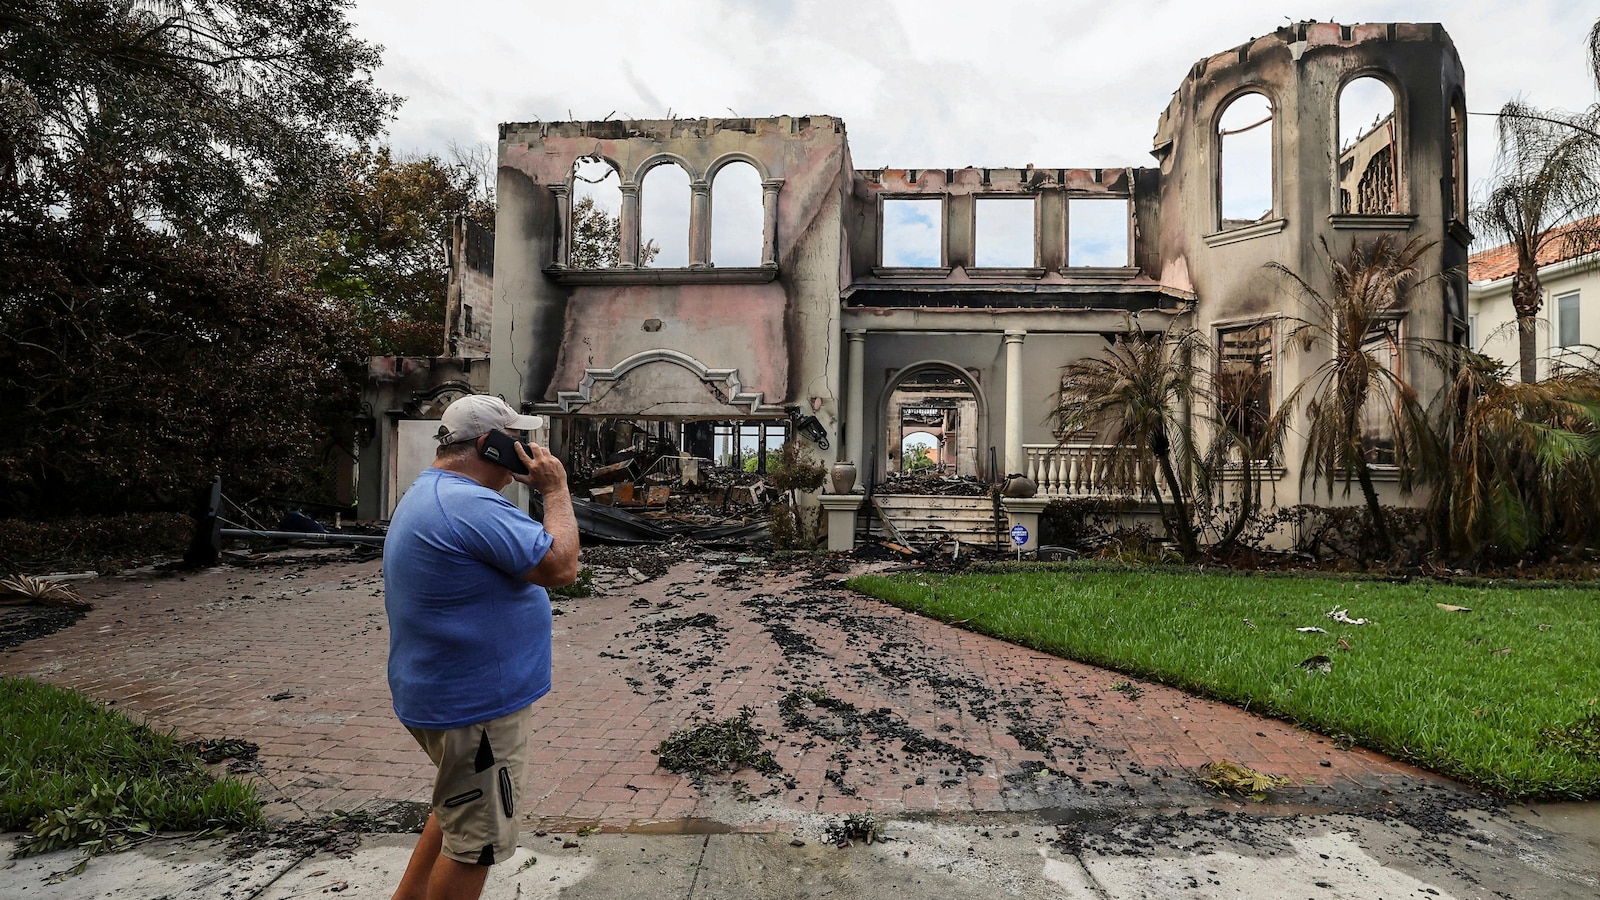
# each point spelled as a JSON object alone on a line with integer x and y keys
{"x": 501, "y": 449}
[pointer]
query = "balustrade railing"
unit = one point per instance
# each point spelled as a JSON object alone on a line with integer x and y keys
{"x": 1074, "y": 470}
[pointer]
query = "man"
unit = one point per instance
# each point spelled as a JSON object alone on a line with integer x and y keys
{"x": 464, "y": 573}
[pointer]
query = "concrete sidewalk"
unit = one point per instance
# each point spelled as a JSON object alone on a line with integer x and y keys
{"x": 1202, "y": 853}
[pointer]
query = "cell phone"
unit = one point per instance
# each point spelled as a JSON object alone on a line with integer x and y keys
{"x": 501, "y": 449}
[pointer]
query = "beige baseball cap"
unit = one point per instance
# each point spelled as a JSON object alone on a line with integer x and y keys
{"x": 478, "y": 414}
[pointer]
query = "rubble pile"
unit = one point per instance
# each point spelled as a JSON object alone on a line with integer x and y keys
{"x": 933, "y": 484}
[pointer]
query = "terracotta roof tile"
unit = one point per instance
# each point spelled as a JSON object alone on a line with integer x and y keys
{"x": 1501, "y": 262}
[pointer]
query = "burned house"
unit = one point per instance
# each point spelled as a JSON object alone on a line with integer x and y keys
{"x": 862, "y": 309}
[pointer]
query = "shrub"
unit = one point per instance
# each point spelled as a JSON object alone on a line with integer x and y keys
{"x": 91, "y": 542}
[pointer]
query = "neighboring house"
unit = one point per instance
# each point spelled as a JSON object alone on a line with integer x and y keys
{"x": 862, "y": 296}
{"x": 1568, "y": 327}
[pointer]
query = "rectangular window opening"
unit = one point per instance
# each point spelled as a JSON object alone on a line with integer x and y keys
{"x": 1244, "y": 385}
{"x": 1097, "y": 233}
{"x": 1005, "y": 234}
{"x": 913, "y": 233}
{"x": 1379, "y": 414}
{"x": 1567, "y": 320}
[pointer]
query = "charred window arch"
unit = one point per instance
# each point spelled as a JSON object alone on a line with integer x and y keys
{"x": 737, "y": 211}
{"x": 1246, "y": 176}
{"x": 1370, "y": 164}
{"x": 595, "y": 223}
{"x": 665, "y": 199}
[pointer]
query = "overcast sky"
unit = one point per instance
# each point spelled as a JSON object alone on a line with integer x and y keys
{"x": 920, "y": 83}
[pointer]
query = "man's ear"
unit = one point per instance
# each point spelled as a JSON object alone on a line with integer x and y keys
{"x": 481, "y": 440}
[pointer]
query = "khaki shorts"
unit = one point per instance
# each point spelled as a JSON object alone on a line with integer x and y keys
{"x": 479, "y": 786}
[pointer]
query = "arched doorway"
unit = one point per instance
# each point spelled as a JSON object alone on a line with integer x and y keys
{"x": 935, "y": 422}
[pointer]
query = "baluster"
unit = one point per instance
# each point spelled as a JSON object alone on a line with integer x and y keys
{"x": 1032, "y": 468}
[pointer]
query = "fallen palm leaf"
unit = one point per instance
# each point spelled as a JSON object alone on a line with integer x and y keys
{"x": 28, "y": 589}
{"x": 1233, "y": 779}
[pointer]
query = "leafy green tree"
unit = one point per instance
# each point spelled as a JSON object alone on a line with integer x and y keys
{"x": 917, "y": 457}
{"x": 1135, "y": 395}
{"x": 156, "y": 161}
{"x": 1355, "y": 393}
{"x": 382, "y": 244}
{"x": 597, "y": 238}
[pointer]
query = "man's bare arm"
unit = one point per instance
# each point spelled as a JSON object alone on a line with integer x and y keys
{"x": 546, "y": 475}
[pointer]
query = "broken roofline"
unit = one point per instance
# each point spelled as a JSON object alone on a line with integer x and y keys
{"x": 1090, "y": 178}
{"x": 667, "y": 129}
{"x": 1114, "y": 180}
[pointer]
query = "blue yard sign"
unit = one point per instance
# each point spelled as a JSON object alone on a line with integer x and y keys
{"x": 1019, "y": 534}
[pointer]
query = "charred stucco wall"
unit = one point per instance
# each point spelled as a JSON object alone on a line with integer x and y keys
{"x": 1301, "y": 69}
{"x": 729, "y": 343}
{"x": 469, "y": 291}
{"x": 401, "y": 391}
{"x": 640, "y": 342}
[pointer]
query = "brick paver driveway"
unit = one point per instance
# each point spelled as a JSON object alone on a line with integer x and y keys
{"x": 866, "y": 707}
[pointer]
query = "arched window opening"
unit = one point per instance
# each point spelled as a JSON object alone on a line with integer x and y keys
{"x": 596, "y": 214}
{"x": 736, "y": 216}
{"x": 1004, "y": 229}
{"x": 1369, "y": 159}
{"x": 664, "y": 217}
{"x": 1245, "y": 176}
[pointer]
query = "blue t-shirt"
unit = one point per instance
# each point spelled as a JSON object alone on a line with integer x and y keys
{"x": 469, "y": 640}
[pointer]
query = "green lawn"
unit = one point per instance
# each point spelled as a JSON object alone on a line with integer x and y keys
{"x": 1505, "y": 697}
{"x": 75, "y": 773}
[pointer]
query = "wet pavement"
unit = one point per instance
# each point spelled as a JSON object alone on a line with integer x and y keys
{"x": 864, "y": 707}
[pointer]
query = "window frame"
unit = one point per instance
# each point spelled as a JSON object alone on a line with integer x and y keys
{"x": 1274, "y": 211}
{"x": 1576, "y": 312}
{"x": 1267, "y": 395}
{"x": 1400, "y": 161}
{"x": 943, "y": 218}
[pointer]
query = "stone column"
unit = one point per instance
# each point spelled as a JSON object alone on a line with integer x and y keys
{"x": 769, "y": 225}
{"x": 563, "y": 249}
{"x": 855, "y": 399}
{"x": 699, "y": 224}
{"x": 1013, "y": 451}
{"x": 628, "y": 253}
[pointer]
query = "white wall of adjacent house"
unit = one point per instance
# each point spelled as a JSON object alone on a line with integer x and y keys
{"x": 1568, "y": 329}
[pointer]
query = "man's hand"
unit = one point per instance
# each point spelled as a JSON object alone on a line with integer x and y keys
{"x": 546, "y": 474}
